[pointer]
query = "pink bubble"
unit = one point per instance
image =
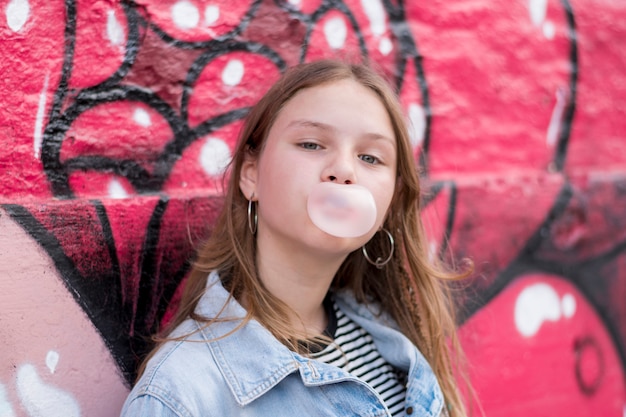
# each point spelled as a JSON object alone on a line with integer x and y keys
{"x": 342, "y": 210}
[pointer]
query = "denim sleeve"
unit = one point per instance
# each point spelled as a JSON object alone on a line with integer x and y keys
{"x": 147, "y": 405}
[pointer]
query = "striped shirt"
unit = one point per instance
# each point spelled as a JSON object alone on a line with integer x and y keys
{"x": 354, "y": 351}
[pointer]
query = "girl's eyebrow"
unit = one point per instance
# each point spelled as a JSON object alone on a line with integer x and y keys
{"x": 329, "y": 128}
{"x": 310, "y": 123}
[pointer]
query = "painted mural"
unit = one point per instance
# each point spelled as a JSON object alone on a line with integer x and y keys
{"x": 117, "y": 123}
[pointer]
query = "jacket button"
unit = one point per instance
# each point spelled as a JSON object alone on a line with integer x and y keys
{"x": 409, "y": 410}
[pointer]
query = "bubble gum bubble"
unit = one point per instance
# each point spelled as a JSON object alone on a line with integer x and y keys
{"x": 342, "y": 210}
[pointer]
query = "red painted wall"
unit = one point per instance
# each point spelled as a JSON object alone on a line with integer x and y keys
{"x": 118, "y": 118}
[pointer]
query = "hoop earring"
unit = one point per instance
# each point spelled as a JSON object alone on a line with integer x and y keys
{"x": 256, "y": 219}
{"x": 379, "y": 262}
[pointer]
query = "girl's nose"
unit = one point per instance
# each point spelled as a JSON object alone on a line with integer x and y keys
{"x": 341, "y": 170}
{"x": 335, "y": 179}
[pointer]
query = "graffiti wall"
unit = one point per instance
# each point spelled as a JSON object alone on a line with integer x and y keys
{"x": 117, "y": 120}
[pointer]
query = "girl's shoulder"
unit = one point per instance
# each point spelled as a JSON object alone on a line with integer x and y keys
{"x": 182, "y": 357}
{"x": 181, "y": 374}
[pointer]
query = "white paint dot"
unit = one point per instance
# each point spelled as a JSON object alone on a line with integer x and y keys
{"x": 41, "y": 399}
{"x": 211, "y": 14}
{"x": 385, "y": 46}
{"x": 536, "y": 304}
{"x": 185, "y": 15}
{"x": 17, "y": 12}
{"x": 537, "y": 9}
{"x": 335, "y": 32}
{"x": 52, "y": 360}
{"x": 233, "y": 72}
{"x": 141, "y": 117}
{"x": 568, "y": 305}
{"x": 376, "y": 14}
{"x": 41, "y": 111}
{"x": 115, "y": 31}
{"x": 116, "y": 189}
{"x": 552, "y": 133}
{"x": 548, "y": 30}
{"x": 417, "y": 120}
{"x": 432, "y": 250}
{"x": 296, "y": 3}
{"x": 214, "y": 156}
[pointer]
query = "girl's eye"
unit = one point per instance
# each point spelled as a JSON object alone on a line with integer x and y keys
{"x": 311, "y": 146}
{"x": 369, "y": 159}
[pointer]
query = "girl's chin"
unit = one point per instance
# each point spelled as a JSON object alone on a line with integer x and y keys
{"x": 339, "y": 245}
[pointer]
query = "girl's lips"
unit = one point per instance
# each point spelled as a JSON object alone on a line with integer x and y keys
{"x": 342, "y": 210}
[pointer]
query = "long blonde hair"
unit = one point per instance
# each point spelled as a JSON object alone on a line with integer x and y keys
{"x": 412, "y": 288}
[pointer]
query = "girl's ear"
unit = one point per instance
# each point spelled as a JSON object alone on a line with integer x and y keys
{"x": 248, "y": 175}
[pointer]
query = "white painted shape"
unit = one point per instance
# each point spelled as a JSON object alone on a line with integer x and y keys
{"x": 41, "y": 108}
{"x": 41, "y": 399}
{"x": 141, "y": 117}
{"x": 555, "y": 120}
{"x": 432, "y": 250}
{"x": 536, "y": 304}
{"x": 568, "y": 305}
{"x": 296, "y": 3}
{"x": 115, "y": 30}
{"x": 335, "y": 32}
{"x": 17, "y": 13}
{"x": 185, "y": 15}
{"x": 376, "y": 14}
{"x": 52, "y": 360}
{"x": 385, "y": 46}
{"x": 548, "y": 30}
{"x": 214, "y": 156}
{"x": 211, "y": 14}
{"x": 537, "y": 9}
{"x": 116, "y": 189}
{"x": 233, "y": 72}
{"x": 6, "y": 410}
{"x": 417, "y": 120}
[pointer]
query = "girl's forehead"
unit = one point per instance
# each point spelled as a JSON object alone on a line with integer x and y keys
{"x": 336, "y": 101}
{"x": 339, "y": 87}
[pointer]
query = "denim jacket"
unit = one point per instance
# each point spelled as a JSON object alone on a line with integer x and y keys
{"x": 250, "y": 373}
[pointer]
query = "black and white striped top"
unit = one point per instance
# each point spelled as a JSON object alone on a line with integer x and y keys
{"x": 354, "y": 351}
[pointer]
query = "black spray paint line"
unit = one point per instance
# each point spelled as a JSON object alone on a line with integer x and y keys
{"x": 131, "y": 50}
{"x": 570, "y": 98}
{"x": 149, "y": 279}
{"x": 103, "y": 312}
{"x": 204, "y": 59}
{"x": 58, "y": 173}
{"x": 209, "y": 44}
{"x": 409, "y": 51}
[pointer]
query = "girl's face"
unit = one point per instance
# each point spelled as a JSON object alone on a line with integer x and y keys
{"x": 337, "y": 132}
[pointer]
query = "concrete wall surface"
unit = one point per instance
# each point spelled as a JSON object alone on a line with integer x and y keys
{"x": 117, "y": 119}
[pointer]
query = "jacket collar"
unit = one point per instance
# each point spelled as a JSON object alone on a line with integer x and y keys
{"x": 423, "y": 390}
{"x": 255, "y": 361}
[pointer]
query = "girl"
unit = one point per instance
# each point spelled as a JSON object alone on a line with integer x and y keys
{"x": 285, "y": 313}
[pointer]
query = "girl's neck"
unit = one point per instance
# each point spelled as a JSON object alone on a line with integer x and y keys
{"x": 301, "y": 281}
